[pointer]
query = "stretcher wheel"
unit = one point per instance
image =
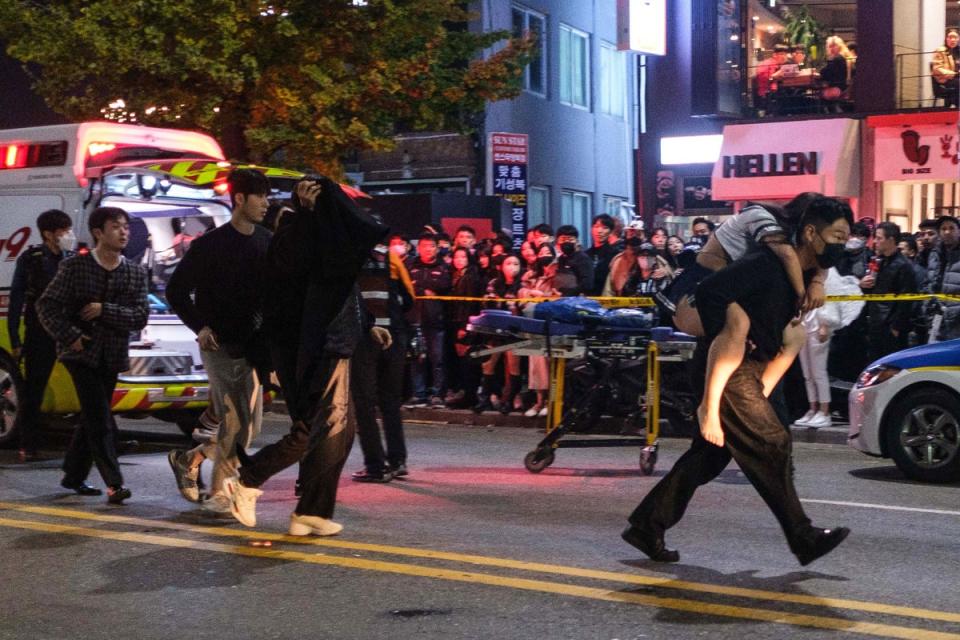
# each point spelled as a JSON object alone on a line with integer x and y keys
{"x": 538, "y": 460}
{"x": 648, "y": 460}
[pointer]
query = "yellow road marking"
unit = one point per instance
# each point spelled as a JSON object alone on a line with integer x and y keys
{"x": 677, "y": 604}
{"x": 506, "y": 563}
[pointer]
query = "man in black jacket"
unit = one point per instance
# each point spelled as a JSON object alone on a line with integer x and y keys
{"x": 574, "y": 267}
{"x": 750, "y": 431}
{"x": 36, "y": 267}
{"x": 602, "y": 252}
{"x": 888, "y": 323}
{"x": 313, "y": 325}
{"x": 217, "y": 291}
{"x": 431, "y": 276}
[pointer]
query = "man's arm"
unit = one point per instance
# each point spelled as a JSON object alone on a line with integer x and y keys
{"x": 52, "y": 306}
{"x": 130, "y": 314}
{"x": 182, "y": 283}
{"x": 902, "y": 315}
{"x": 18, "y": 290}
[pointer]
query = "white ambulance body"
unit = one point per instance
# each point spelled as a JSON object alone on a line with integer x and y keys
{"x": 76, "y": 168}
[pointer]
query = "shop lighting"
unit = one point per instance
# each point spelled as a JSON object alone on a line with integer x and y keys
{"x": 690, "y": 149}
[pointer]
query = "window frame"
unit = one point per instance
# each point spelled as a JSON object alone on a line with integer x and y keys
{"x": 544, "y": 39}
{"x": 573, "y": 32}
{"x": 585, "y": 220}
{"x": 607, "y": 84}
{"x": 545, "y": 190}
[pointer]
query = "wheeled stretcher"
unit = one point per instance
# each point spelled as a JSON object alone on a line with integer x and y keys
{"x": 607, "y": 347}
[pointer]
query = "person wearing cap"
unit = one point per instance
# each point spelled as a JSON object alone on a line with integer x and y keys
{"x": 943, "y": 271}
{"x": 650, "y": 272}
{"x": 622, "y": 263}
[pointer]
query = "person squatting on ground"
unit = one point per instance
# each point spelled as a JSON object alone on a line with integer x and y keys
{"x": 750, "y": 433}
{"x": 753, "y": 227}
{"x": 313, "y": 326}
{"x": 378, "y": 364}
{"x": 90, "y": 308}
{"x": 224, "y": 273}
{"x": 35, "y": 269}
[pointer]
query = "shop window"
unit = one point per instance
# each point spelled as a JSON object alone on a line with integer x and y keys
{"x": 526, "y": 22}
{"x": 538, "y": 203}
{"x": 574, "y": 67}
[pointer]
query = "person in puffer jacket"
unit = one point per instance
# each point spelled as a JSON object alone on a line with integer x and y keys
{"x": 820, "y": 325}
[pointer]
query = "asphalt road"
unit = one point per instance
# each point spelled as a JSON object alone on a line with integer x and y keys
{"x": 473, "y": 546}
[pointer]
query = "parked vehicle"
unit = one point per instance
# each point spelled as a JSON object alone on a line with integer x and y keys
{"x": 906, "y": 406}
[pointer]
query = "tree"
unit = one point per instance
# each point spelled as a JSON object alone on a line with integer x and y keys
{"x": 313, "y": 79}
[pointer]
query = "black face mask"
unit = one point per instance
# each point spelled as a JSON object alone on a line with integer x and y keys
{"x": 831, "y": 256}
{"x": 544, "y": 261}
{"x": 633, "y": 242}
{"x": 568, "y": 248}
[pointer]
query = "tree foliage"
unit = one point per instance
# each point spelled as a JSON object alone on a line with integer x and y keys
{"x": 313, "y": 79}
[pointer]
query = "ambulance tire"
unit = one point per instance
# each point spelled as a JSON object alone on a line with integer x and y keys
{"x": 11, "y": 390}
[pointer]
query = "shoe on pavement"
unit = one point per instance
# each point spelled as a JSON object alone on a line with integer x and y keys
{"x": 185, "y": 476}
{"x": 532, "y": 412}
{"x": 217, "y": 503}
{"x": 399, "y": 470}
{"x": 818, "y": 543}
{"x": 805, "y": 420}
{"x": 81, "y": 488}
{"x": 416, "y": 403}
{"x": 365, "y": 475}
{"x": 542, "y": 413}
{"x": 436, "y": 402}
{"x": 116, "y": 495}
{"x": 819, "y": 420}
{"x": 313, "y": 525}
{"x": 243, "y": 501}
{"x": 650, "y": 544}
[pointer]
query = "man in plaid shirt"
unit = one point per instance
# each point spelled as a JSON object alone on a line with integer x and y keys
{"x": 90, "y": 308}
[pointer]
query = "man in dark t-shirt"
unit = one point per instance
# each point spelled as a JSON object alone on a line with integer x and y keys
{"x": 750, "y": 433}
{"x": 224, "y": 271}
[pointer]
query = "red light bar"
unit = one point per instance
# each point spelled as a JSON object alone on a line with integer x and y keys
{"x": 96, "y": 148}
{"x": 11, "y": 156}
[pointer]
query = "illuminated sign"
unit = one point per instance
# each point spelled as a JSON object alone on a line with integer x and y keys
{"x": 690, "y": 149}
{"x": 642, "y": 26}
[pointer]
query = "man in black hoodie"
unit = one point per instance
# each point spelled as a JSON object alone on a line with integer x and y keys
{"x": 313, "y": 322}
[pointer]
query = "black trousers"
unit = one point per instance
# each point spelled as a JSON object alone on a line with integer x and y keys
{"x": 755, "y": 438}
{"x": 39, "y": 357}
{"x": 377, "y": 381}
{"x": 320, "y": 437}
{"x": 95, "y": 438}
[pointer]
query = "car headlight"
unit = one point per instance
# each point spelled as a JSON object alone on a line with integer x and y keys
{"x": 875, "y": 375}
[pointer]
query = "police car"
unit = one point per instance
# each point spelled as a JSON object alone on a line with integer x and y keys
{"x": 906, "y": 406}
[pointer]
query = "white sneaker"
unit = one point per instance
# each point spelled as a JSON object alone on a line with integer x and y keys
{"x": 820, "y": 420}
{"x": 532, "y": 412}
{"x": 542, "y": 413}
{"x": 217, "y": 503}
{"x": 307, "y": 525}
{"x": 805, "y": 420}
{"x": 243, "y": 501}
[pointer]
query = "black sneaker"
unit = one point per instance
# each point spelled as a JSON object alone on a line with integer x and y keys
{"x": 365, "y": 475}
{"x": 818, "y": 543}
{"x": 399, "y": 470}
{"x": 650, "y": 544}
{"x": 116, "y": 495}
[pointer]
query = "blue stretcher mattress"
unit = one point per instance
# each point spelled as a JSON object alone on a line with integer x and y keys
{"x": 499, "y": 321}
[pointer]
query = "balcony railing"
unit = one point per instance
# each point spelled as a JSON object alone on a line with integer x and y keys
{"x": 916, "y": 86}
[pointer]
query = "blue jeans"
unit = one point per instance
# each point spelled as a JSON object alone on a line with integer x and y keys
{"x": 433, "y": 343}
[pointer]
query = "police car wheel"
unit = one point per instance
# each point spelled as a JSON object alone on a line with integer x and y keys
{"x": 923, "y": 435}
{"x": 11, "y": 389}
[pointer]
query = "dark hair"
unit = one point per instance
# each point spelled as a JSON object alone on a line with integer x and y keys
{"x": 544, "y": 229}
{"x": 822, "y": 212}
{"x": 248, "y": 182}
{"x": 710, "y": 224}
{"x": 781, "y": 48}
{"x": 53, "y": 220}
{"x": 851, "y": 46}
{"x": 929, "y": 224}
{"x": 604, "y": 219}
{"x": 507, "y": 245}
{"x": 890, "y": 230}
{"x": 468, "y": 229}
{"x": 470, "y": 259}
{"x": 656, "y": 229}
{"x": 426, "y": 235}
{"x": 860, "y": 229}
{"x": 799, "y": 47}
{"x": 910, "y": 240}
{"x": 791, "y": 214}
{"x": 442, "y": 236}
{"x": 102, "y": 215}
{"x": 568, "y": 230}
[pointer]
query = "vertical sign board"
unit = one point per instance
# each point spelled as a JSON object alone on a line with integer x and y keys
{"x": 507, "y": 173}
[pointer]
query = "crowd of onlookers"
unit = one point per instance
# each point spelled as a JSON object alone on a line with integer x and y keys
{"x": 629, "y": 260}
{"x": 620, "y": 260}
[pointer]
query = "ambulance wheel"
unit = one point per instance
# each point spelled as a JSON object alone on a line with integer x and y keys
{"x": 648, "y": 460}
{"x": 538, "y": 460}
{"x": 11, "y": 390}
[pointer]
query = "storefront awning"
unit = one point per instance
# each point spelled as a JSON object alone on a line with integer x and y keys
{"x": 916, "y": 146}
{"x": 778, "y": 160}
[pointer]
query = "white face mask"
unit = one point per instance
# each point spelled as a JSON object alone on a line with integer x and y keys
{"x": 67, "y": 242}
{"x": 855, "y": 244}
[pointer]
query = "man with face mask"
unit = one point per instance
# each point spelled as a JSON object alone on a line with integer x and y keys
{"x": 857, "y": 254}
{"x": 574, "y": 268}
{"x": 35, "y": 269}
{"x": 751, "y": 432}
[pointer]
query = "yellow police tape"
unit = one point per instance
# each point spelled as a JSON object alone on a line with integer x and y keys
{"x": 615, "y": 301}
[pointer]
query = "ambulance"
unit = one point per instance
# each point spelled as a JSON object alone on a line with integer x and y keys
{"x": 172, "y": 183}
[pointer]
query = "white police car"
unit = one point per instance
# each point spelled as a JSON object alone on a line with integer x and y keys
{"x": 906, "y": 406}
